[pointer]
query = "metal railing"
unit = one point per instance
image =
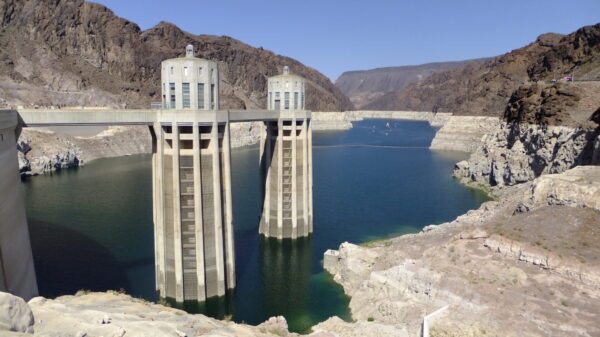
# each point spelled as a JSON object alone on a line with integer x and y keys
{"x": 427, "y": 320}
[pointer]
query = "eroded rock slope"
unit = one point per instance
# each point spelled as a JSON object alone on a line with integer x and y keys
{"x": 527, "y": 265}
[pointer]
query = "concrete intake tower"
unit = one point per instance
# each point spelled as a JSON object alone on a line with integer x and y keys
{"x": 286, "y": 162}
{"x": 192, "y": 186}
{"x": 191, "y": 177}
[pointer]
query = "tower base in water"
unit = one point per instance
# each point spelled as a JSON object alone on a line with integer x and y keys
{"x": 286, "y": 168}
{"x": 192, "y": 210}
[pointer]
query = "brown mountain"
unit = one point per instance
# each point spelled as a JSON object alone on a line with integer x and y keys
{"x": 485, "y": 87}
{"x": 364, "y": 86}
{"x": 72, "y": 52}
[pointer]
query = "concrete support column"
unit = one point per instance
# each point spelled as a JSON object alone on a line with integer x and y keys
{"x": 159, "y": 219}
{"x": 305, "y": 200}
{"x": 218, "y": 209}
{"x": 155, "y": 209}
{"x": 310, "y": 176}
{"x": 17, "y": 273}
{"x": 265, "y": 165}
{"x": 199, "y": 225}
{"x": 294, "y": 163}
{"x": 279, "y": 148}
{"x": 229, "y": 244}
{"x": 178, "y": 247}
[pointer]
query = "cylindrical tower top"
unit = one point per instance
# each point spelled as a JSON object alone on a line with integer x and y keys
{"x": 286, "y": 91}
{"x": 189, "y": 82}
{"x": 189, "y": 51}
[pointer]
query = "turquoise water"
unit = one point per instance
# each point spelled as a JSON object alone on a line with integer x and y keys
{"x": 91, "y": 227}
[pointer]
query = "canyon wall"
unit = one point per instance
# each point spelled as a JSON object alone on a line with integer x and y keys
{"x": 72, "y": 53}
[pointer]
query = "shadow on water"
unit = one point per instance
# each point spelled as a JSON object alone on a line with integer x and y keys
{"x": 67, "y": 261}
{"x": 216, "y": 307}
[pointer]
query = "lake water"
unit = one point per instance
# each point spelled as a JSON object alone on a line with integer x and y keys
{"x": 91, "y": 227}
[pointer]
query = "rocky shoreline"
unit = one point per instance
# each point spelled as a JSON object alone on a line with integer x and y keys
{"x": 511, "y": 268}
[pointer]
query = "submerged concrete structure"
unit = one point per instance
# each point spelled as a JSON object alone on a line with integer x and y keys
{"x": 191, "y": 166}
{"x": 286, "y": 162}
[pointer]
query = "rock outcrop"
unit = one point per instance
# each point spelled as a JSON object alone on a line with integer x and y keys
{"x": 518, "y": 153}
{"x": 525, "y": 265}
{"x": 546, "y": 129}
{"x": 463, "y": 133}
{"x": 15, "y": 314}
{"x": 114, "y": 314}
{"x": 72, "y": 53}
{"x": 42, "y": 151}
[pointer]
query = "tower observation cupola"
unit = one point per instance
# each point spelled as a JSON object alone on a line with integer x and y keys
{"x": 190, "y": 83}
{"x": 286, "y": 91}
{"x": 189, "y": 51}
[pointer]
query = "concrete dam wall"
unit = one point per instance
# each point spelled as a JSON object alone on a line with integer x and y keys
{"x": 17, "y": 275}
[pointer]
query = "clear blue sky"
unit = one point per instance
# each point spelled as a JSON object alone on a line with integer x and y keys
{"x": 337, "y": 36}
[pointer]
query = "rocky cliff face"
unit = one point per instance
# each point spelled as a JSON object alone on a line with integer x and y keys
{"x": 518, "y": 153}
{"x": 364, "y": 86}
{"x": 463, "y": 133}
{"x": 521, "y": 266}
{"x": 484, "y": 88}
{"x": 541, "y": 134}
{"x": 42, "y": 151}
{"x": 71, "y": 52}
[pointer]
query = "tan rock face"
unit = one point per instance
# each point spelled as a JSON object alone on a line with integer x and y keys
{"x": 526, "y": 265}
{"x": 112, "y": 314}
{"x": 517, "y": 153}
{"x": 463, "y": 133}
{"x": 578, "y": 187}
{"x": 43, "y": 151}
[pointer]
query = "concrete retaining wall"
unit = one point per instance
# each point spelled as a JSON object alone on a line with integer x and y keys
{"x": 17, "y": 275}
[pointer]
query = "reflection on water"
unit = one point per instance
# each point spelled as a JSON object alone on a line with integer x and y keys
{"x": 285, "y": 270}
{"x": 91, "y": 227}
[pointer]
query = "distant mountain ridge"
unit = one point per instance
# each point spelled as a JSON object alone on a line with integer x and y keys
{"x": 485, "y": 87}
{"x": 72, "y": 52}
{"x": 364, "y": 86}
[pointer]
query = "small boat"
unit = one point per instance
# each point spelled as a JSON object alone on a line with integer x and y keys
{"x": 387, "y": 125}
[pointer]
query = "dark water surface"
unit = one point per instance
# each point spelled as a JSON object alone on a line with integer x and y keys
{"x": 91, "y": 227}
